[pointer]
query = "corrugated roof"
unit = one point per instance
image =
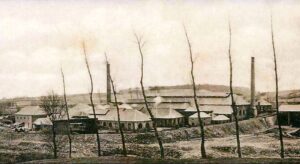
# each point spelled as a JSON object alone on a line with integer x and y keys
{"x": 223, "y": 101}
{"x": 42, "y": 121}
{"x": 165, "y": 113}
{"x": 220, "y": 118}
{"x": 210, "y": 108}
{"x": 171, "y": 105}
{"x": 289, "y": 108}
{"x": 202, "y": 115}
{"x": 129, "y": 115}
{"x": 31, "y": 110}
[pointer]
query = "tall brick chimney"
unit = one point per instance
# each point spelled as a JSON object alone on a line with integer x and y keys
{"x": 252, "y": 103}
{"x": 108, "y": 85}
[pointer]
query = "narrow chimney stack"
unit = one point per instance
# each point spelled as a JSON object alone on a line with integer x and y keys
{"x": 253, "y": 87}
{"x": 108, "y": 85}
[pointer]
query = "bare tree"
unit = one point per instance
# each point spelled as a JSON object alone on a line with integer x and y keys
{"x": 91, "y": 98}
{"x": 118, "y": 113}
{"x": 67, "y": 112}
{"x": 233, "y": 103}
{"x": 140, "y": 44}
{"x": 53, "y": 107}
{"x": 276, "y": 97}
{"x": 203, "y": 152}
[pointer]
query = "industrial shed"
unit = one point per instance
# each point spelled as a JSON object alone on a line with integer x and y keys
{"x": 290, "y": 115}
{"x": 193, "y": 119}
{"x": 167, "y": 117}
{"x": 42, "y": 123}
{"x": 131, "y": 119}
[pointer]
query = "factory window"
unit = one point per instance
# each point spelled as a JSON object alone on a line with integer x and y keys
{"x": 110, "y": 124}
{"x": 129, "y": 126}
{"x": 104, "y": 124}
{"x": 147, "y": 126}
{"x": 140, "y": 126}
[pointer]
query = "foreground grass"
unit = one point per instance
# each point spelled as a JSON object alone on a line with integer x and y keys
{"x": 133, "y": 160}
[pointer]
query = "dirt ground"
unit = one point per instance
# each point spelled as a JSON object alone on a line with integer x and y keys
{"x": 253, "y": 146}
{"x": 17, "y": 147}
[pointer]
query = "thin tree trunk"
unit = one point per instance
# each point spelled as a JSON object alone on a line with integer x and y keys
{"x": 277, "y": 105}
{"x": 91, "y": 99}
{"x": 203, "y": 152}
{"x": 119, "y": 121}
{"x": 54, "y": 141}
{"x": 68, "y": 116}
{"x": 140, "y": 45}
{"x": 233, "y": 104}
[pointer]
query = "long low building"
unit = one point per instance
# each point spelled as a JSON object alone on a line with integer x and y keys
{"x": 290, "y": 115}
{"x": 167, "y": 117}
{"x": 131, "y": 119}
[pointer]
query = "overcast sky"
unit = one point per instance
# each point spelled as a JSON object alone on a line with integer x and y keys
{"x": 38, "y": 37}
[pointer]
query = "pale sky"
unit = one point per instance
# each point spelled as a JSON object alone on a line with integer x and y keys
{"x": 38, "y": 37}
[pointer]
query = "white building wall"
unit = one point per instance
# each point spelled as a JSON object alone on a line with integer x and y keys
{"x": 26, "y": 119}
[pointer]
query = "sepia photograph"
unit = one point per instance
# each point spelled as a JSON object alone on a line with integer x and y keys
{"x": 150, "y": 81}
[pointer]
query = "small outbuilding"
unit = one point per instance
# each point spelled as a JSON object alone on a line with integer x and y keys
{"x": 193, "y": 119}
{"x": 42, "y": 123}
{"x": 220, "y": 119}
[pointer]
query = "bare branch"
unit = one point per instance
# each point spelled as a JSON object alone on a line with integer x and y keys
{"x": 138, "y": 39}
{"x": 203, "y": 152}
{"x": 233, "y": 104}
{"x": 67, "y": 112}
{"x": 91, "y": 96}
{"x": 277, "y": 103}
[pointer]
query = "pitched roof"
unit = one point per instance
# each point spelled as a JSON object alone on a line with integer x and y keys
{"x": 101, "y": 109}
{"x": 158, "y": 99}
{"x": 227, "y": 109}
{"x": 100, "y": 106}
{"x": 223, "y": 101}
{"x": 172, "y": 105}
{"x": 220, "y": 118}
{"x": 130, "y": 115}
{"x": 42, "y": 121}
{"x": 80, "y": 110}
{"x": 289, "y": 108}
{"x": 202, "y": 115}
{"x": 205, "y": 100}
{"x": 125, "y": 106}
{"x": 167, "y": 113}
{"x": 31, "y": 110}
